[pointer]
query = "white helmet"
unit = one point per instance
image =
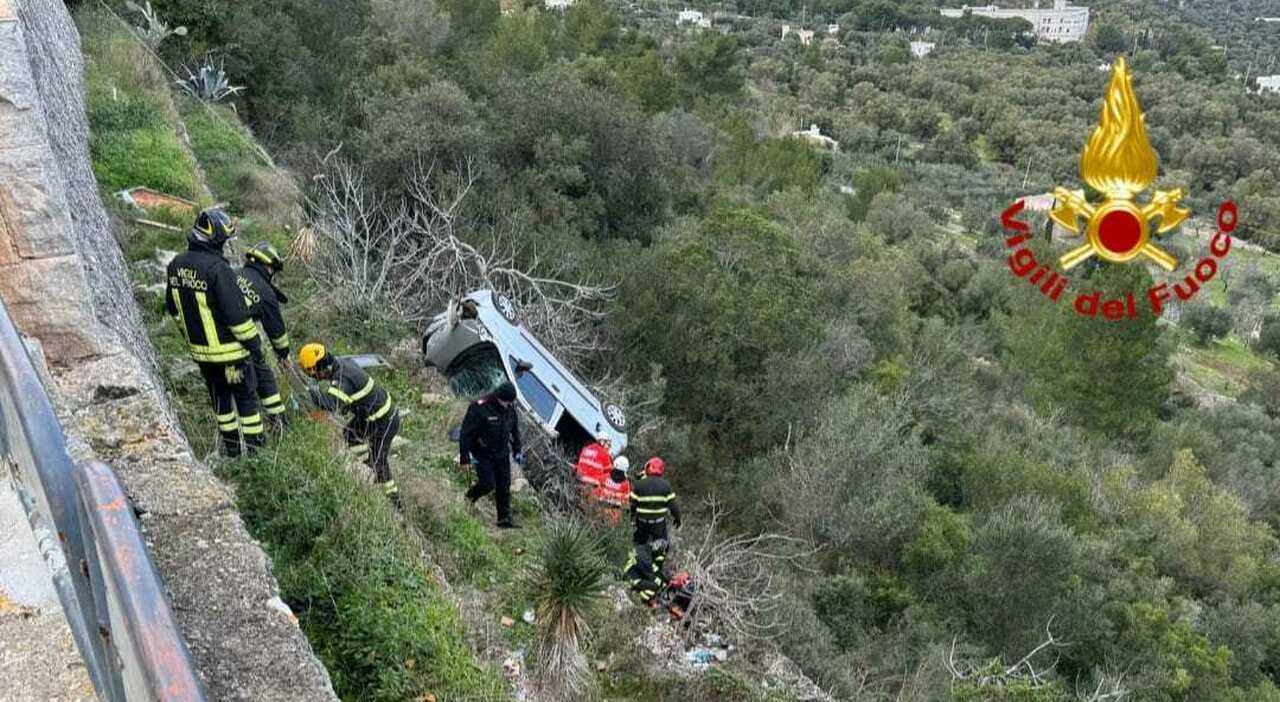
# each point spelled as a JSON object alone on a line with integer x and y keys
{"x": 603, "y": 438}
{"x": 622, "y": 463}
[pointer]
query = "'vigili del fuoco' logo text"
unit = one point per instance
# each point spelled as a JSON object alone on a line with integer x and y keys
{"x": 1120, "y": 165}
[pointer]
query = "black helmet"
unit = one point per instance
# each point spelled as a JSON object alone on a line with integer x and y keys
{"x": 214, "y": 226}
{"x": 506, "y": 392}
{"x": 265, "y": 254}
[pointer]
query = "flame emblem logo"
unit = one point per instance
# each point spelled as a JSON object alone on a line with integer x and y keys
{"x": 1118, "y": 162}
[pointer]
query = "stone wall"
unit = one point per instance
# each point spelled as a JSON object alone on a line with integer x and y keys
{"x": 43, "y": 280}
{"x": 63, "y": 278}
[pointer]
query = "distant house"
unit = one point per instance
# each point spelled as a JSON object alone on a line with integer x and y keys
{"x": 833, "y": 29}
{"x": 689, "y": 17}
{"x": 786, "y": 29}
{"x": 704, "y": 23}
{"x": 813, "y": 136}
{"x": 920, "y": 49}
{"x": 558, "y": 4}
{"x": 1269, "y": 84}
{"x": 806, "y": 36}
{"x": 1063, "y": 22}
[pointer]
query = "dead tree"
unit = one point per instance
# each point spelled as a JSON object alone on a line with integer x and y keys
{"x": 737, "y": 578}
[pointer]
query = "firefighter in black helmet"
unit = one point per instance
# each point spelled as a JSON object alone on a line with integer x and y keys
{"x": 204, "y": 298}
{"x": 261, "y": 263}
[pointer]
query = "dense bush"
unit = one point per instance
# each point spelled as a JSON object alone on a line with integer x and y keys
{"x": 1207, "y": 322}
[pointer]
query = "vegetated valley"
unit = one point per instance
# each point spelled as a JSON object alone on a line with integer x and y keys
{"x": 908, "y": 475}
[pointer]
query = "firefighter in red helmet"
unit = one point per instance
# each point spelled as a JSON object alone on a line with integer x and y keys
{"x": 652, "y": 503}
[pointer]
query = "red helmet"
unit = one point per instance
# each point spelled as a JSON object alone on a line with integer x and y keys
{"x": 655, "y": 466}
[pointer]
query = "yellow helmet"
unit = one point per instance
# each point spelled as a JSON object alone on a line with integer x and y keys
{"x": 309, "y": 356}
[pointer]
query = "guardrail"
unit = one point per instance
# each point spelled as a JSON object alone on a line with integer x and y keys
{"x": 85, "y": 529}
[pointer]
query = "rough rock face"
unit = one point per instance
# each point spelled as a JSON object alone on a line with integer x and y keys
{"x": 63, "y": 279}
{"x": 57, "y": 70}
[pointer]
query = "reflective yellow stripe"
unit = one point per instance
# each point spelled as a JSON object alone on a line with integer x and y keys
{"x": 359, "y": 449}
{"x": 272, "y": 399}
{"x": 245, "y": 330}
{"x": 181, "y": 316}
{"x": 386, "y": 407}
{"x": 275, "y": 409}
{"x": 333, "y": 390}
{"x": 644, "y": 510}
{"x": 228, "y": 417}
{"x": 652, "y": 498}
{"x": 389, "y": 487}
{"x": 215, "y": 351}
{"x": 281, "y": 342}
{"x": 362, "y": 392}
{"x": 254, "y": 418}
{"x": 228, "y": 426}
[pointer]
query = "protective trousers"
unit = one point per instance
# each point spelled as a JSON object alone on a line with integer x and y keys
{"x": 231, "y": 391}
{"x": 268, "y": 389}
{"x": 494, "y": 476}
{"x": 372, "y": 442}
{"x": 646, "y": 534}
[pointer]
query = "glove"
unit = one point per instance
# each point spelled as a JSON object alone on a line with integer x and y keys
{"x": 519, "y": 458}
{"x": 234, "y": 375}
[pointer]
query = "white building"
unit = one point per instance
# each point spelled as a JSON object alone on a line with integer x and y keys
{"x": 786, "y": 29}
{"x": 689, "y": 17}
{"x": 704, "y": 23}
{"x": 1269, "y": 84}
{"x": 806, "y": 36}
{"x": 813, "y": 136}
{"x": 920, "y": 49}
{"x": 558, "y": 4}
{"x": 1062, "y": 23}
{"x": 833, "y": 29}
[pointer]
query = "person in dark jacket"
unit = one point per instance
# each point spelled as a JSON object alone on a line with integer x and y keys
{"x": 261, "y": 263}
{"x": 652, "y": 502}
{"x": 204, "y": 298}
{"x": 374, "y": 420}
{"x": 490, "y": 435}
{"x": 644, "y": 575}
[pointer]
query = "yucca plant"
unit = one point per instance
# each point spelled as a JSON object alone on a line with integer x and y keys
{"x": 208, "y": 83}
{"x": 568, "y": 580}
{"x": 156, "y": 29}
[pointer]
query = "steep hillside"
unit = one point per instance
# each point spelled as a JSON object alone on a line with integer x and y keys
{"x": 431, "y": 605}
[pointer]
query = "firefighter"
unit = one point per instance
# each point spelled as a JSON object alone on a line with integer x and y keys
{"x": 261, "y": 264}
{"x": 643, "y": 575}
{"x": 490, "y": 435}
{"x": 204, "y": 298}
{"x": 652, "y": 500}
{"x": 595, "y": 461}
{"x": 374, "y": 420}
{"x": 615, "y": 490}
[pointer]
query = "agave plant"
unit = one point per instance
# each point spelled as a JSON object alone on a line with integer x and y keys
{"x": 208, "y": 83}
{"x": 568, "y": 580}
{"x": 156, "y": 30}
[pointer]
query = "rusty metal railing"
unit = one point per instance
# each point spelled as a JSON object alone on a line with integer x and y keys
{"x": 86, "y": 531}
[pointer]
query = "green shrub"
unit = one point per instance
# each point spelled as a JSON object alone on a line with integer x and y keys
{"x": 226, "y": 151}
{"x": 568, "y": 579}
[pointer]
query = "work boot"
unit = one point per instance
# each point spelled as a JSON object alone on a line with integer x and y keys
{"x": 396, "y": 501}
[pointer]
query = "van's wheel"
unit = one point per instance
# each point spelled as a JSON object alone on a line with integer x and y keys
{"x": 616, "y": 417}
{"x": 507, "y": 308}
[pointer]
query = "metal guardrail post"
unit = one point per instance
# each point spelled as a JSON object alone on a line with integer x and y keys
{"x": 84, "y": 526}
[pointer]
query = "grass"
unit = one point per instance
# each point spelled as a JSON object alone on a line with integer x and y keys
{"x": 229, "y": 156}
{"x": 1222, "y": 367}
{"x": 132, "y": 137}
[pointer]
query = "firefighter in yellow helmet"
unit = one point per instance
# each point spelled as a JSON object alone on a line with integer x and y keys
{"x": 203, "y": 297}
{"x": 374, "y": 419}
{"x": 257, "y": 281}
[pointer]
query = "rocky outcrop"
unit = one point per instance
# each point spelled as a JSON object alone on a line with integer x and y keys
{"x": 63, "y": 278}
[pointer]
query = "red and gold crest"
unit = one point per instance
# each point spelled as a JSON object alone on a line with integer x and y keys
{"x": 1119, "y": 163}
